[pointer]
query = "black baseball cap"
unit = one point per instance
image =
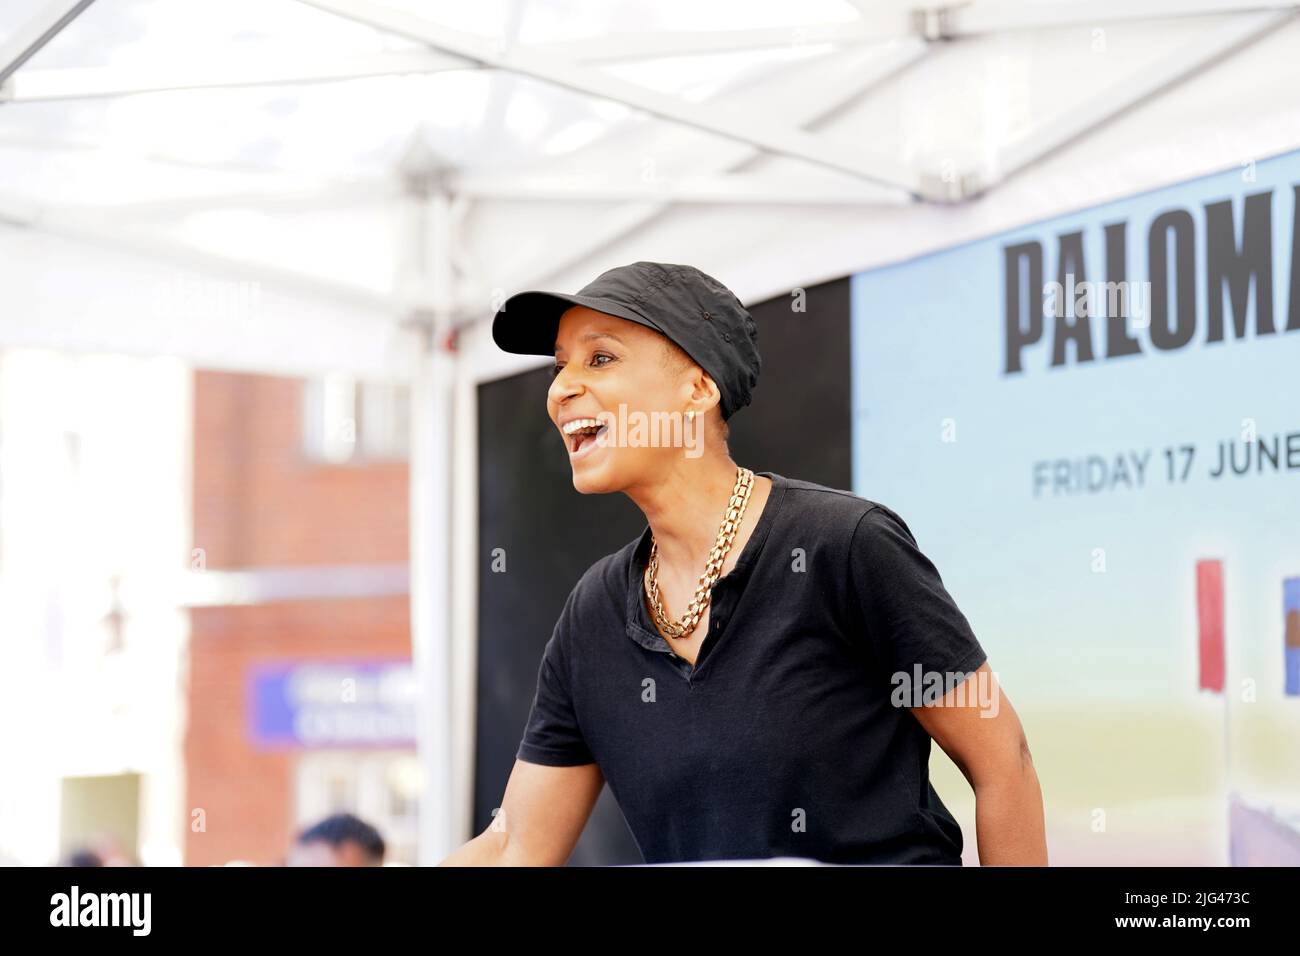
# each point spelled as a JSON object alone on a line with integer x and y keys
{"x": 691, "y": 308}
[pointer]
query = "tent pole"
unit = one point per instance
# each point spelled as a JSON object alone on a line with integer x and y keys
{"x": 430, "y": 524}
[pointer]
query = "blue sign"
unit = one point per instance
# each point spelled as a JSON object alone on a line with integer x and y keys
{"x": 333, "y": 704}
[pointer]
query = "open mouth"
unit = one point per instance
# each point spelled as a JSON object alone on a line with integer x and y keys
{"x": 582, "y": 435}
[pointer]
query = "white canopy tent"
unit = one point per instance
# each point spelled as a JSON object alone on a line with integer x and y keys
{"x": 301, "y": 186}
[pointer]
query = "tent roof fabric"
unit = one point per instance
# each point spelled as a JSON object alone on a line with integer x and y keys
{"x": 295, "y": 146}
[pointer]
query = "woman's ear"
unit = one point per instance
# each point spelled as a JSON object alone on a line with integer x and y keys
{"x": 705, "y": 389}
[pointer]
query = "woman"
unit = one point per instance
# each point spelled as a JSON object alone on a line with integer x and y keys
{"x": 761, "y": 672}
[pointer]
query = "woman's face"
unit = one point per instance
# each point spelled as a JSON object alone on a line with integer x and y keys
{"x": 604, "y": 362}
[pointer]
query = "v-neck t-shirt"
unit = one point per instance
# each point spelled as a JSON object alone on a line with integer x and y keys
{"x": 784, "y": 738}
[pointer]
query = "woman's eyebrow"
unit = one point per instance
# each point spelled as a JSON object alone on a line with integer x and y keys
{"x": 590, "y": 336}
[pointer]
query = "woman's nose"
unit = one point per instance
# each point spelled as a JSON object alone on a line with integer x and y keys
{"x": 564, "y": 384}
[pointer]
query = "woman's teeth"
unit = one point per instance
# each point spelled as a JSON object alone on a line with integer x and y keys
{"x": 581, "y": 433}
{"x": 579, "y": 423}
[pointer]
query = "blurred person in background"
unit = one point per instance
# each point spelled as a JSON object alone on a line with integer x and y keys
{"x": 81, "y": 856}
{"x": 338, "y": 840}
{"x": 103, "y": 850}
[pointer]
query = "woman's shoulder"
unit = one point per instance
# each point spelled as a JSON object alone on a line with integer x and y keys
{"x": 839, "y": 504}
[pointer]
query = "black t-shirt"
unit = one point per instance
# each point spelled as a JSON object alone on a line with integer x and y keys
{"x": 781, "y": 739}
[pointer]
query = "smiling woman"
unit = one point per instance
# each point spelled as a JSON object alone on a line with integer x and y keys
{"x": 728, "y": 673}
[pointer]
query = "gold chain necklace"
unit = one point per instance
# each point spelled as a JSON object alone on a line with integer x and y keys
{"x": 712, "y": 571}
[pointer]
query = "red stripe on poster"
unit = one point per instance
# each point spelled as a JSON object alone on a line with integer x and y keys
{"x": 1209, "y": 619}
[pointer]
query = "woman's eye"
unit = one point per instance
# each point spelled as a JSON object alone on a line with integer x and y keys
{"x": 555, "y": 370}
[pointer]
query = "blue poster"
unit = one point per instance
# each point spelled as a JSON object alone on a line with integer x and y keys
{"x": 1069, "y": 416}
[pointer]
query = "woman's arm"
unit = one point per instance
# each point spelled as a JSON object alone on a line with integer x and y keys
{"x": 979, "y": 729}
{"x": 540, "y": 819}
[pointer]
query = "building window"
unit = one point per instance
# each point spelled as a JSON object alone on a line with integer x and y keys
{"x": 346, "y": 420}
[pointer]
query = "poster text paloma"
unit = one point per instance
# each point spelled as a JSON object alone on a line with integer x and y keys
{"x": 1235, "y": 276}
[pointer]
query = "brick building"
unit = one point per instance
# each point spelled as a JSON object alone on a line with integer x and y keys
{"x": 299, "y": 697}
